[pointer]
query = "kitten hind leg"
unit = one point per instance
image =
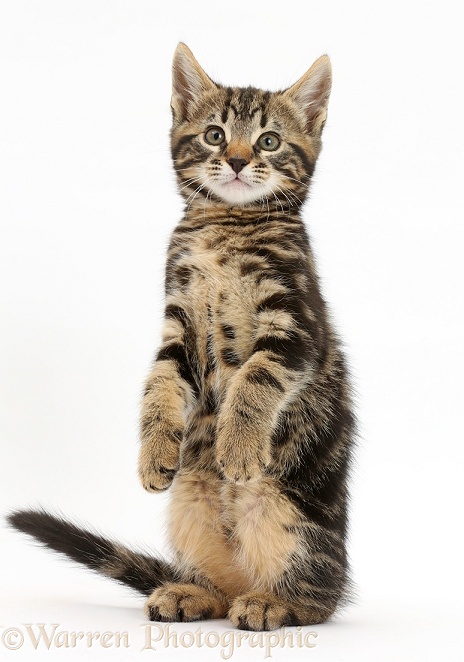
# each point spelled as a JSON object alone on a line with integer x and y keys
{"x": 203, "y": 558}
{"x": 297, "y": 568}
{"x": 198, "y": 532}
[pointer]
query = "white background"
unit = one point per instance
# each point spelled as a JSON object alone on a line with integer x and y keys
{"x": 87, "y": 203}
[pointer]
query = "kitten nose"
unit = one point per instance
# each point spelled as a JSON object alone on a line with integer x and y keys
{"x": 237, "y": 164}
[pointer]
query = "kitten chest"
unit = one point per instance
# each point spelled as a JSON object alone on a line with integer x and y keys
{"x": 220, "y": 302}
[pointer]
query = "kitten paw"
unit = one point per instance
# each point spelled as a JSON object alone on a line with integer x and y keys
{"x": 240, "y": 470}
{"x": 156, "y": 479}
{"x": 158, "y": 464}
{"x": 183, "y": 603}
{"x": 243, "y": 451}
{"x": 242, "y": 464}
{"x": 258, "y": 612}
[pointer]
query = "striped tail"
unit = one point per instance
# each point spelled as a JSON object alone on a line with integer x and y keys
{"x": 140, "y": 572}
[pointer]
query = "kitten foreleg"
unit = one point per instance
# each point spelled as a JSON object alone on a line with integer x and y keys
{"x": 249, "y": 414}
{"x": 167, "y": 398}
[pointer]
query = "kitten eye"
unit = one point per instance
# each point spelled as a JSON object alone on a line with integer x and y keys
{"x": 214, "y": 136}
{"x": 269, "y": 141}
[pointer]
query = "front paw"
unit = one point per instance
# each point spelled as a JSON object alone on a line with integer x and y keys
{"x": 158, "y": 464}
{"x": 241, "y": 461}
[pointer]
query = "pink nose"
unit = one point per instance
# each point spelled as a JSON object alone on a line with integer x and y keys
{"x": 237, "y": 164}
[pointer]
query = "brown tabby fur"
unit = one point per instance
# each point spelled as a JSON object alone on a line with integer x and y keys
{"x": 247, "y": 409}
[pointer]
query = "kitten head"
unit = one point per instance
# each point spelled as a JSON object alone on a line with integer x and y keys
{"x": 243, "y": 146}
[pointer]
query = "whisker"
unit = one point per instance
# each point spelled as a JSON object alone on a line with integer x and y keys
{"x": 193, "y": 195}
{"x": 298, "y": 181}
{"x": 279, "y": 202}
{"x": 290, "y": 199}
{"x": 268, "y": 210}
{"x": 204, "y": 206}
{"x": 189, "y": 182}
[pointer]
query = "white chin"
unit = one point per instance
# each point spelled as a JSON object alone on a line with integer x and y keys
{"x": 237, "y": 192}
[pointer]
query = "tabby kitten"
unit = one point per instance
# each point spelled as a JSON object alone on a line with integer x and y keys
{"x": 246, "y": 411}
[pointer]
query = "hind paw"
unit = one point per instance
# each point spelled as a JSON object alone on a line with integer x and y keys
{"x": 266, "y": 611}
{"x": 183, "y": 603}
{"x": 258, "y": 612}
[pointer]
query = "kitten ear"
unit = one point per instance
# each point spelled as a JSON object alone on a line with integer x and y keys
{"x": 311, "y": 94}
{"x": 189, "y": 82}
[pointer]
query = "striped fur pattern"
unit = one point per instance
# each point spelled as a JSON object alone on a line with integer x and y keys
{"x": 134, "y": 569}
{"x": 246, "y": 414}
